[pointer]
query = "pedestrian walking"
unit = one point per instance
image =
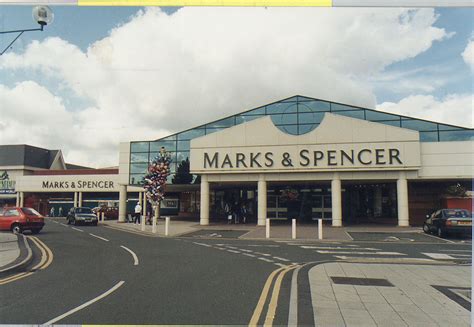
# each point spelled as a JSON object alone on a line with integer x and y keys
{"x": 243, "y": 213}
{"x": 138, "y": 211}
{"x": 60, "y": 212}
{"x": 51, "y": 212}
{"x": 236, "y": 212}
{"x": 228, "y": 212}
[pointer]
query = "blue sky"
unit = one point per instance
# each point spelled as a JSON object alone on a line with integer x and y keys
{"x": 208, "y": 63}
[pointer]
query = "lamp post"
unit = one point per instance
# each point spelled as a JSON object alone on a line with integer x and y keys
{"x": 43, "y": 15}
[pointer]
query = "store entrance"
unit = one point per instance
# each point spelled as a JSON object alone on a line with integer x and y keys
{"x": 370, "y": 203}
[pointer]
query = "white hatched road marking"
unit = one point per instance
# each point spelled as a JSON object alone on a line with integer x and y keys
{"x": 438, "y": 255}
{"x": 135, "y": 258}
{"x": 338, "y": 248}
{"x": 216, "y": 247}
{"x": 64, "y": 225}
{"x": 264, "y": 259}
{"x": 280, "y": 264}
{"x": 233, "y": 251}
{"x": 99, "y": 237}
{"x": 281, "y": 259}
{"x": 245, "y": 250}
{"x": 264, "y": 254}
{"x": 79, "y": 230}
{"x": 54, "y": 320}
{"x": 249, "y": 255}
{"x": 202, "y": 244}
{"x": 354, "y": 252}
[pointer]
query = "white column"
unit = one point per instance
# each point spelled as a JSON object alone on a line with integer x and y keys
{"x": 79, "y": 203}
{"x": 336, "y": 201}
{"x": 204, "y": 200}
{"x": 122, "y": 203}
{"x": 402, "y": 200}
{"x": 145, "y": 202}
{"x": 17, "y": 199}
{"x": 75, "y": 199}
{"x": 262, "y": 200}
{"x": 140, "y": 200}
{"x": 22, "y": 199}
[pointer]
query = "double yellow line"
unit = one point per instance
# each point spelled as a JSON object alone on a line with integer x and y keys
{"x": 46, "y": 259}
{"x": 272, "y": 306}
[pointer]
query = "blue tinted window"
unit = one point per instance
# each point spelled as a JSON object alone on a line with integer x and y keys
{"x": 395, "y": 123}
{"x": 141, "y": 168}
{"x": 257, "y": 111}
{"x": 419, "y": 125}
{"x": 354, "y": 113}
{"x": 212, "y": 130}
{"x": 136, "y": 179}
{"x": 139, "y": 146}
{"x": 462, "y": 135}
{"x": 300, "y": 98}
{"x": 227, "y": 122}
{"x": 168, "y": 145}
{"x": 310, "y": 117}
{"x": 314, "y": 105}
{"x": 284, "y": 119}
{"x": 292, "y": 99}
{"x": 281, "y": 108}
{"x": 183, "y": 145}
{"x": 374, "y": 116}
{"x": 429, "y": 136}
{"x": 188, "y": 135}
{"x": 447, "y": 127}
{"x": 340, "y": 107}
{"x": 244, "y": 118}
{"x": 180, "y": 156}
{"x": 139, "y": 157}
{"x": 303, "y": 129}
{"x": 289, "y": 129}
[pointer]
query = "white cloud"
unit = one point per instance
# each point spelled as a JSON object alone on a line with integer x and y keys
{"x": 454, "y": 109}
{"x": 468, "y": 54}
{"x": 161, "y": 73}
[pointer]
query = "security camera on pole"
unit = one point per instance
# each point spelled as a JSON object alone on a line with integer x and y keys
{"x": 154, "y": 182}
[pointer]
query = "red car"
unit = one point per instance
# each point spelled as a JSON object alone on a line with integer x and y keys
{"x": 19, "y": 219}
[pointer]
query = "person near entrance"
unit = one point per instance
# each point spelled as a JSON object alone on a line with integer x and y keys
{"x": 138, "y": 210}
{"x": 51, "y": 212}
{"x": 243, "y": 213}
{"x": 60, "y": 212}
{"x": 228, "y": 212}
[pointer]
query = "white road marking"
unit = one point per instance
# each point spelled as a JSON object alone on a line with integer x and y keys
{"x": 264, "y": 254}
{"x": 456, "y": 250}
{"x": 281, "y": 265}
{"x": 64, "y": 225}
{"x": 281, "y": 259}
{"x": 265, "y": 259}
{"x": 135, "y": 258}
{"x": 293, "y": 312}
{"x": 378, "y": 259}
{"x": 79, "y": 230}
{"x": 338, "y": 248}
{"x": 249, "y": 255}
{"x": 113, "y": 289}
{"x": 354, "y": 252}
{"x": 233, "y": 251}
{"x": 207, "y": 245}
{"x": 216, "y": 247}
{"x": 100, "y": 238}
{"x": 245, "y": 250}
{"x": 460, "y": 255}
{"x": 438, "y": 255}
{"x": 439, "y": 238}
{"x": 231, "y": 247}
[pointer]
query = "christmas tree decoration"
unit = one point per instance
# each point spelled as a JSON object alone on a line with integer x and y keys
{"x": 154, "y": 182}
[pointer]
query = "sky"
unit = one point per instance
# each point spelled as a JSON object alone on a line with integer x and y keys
{"x": 102, "y": 75}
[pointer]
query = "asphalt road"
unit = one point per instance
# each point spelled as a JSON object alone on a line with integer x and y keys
{"x": 182, "y": 280}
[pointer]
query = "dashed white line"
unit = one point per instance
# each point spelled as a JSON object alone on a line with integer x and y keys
{"x": 100, "y": 238}
{"x": 281, "y": 259}
{"x": 64, "y": 225}
{"x": 265, "y": 259}
{"x": 79, "y": 230}
{"x": 280, "y": 265}
{"x": 438, "y": 255}
{"x": 245, "y": 250}
{"x": 202, "y": 244}
{"x": 54, "y": 320}
{"x": 354, "y": 252}
{"x": 233, "y": 251}
{"x": 264, "y": 254}
{"x": 338, "y": 248}
{"x": 135, "y": 258}
{"x": 249, "y": 255}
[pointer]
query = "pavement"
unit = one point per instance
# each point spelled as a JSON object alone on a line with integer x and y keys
{"x": 413, "y": 295}
{"x": 15, "y": 252}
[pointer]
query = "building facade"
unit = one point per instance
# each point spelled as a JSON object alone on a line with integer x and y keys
{"x": 307, "y": 159}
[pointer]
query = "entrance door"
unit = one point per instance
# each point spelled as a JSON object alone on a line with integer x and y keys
{"x": 321, "y": 207}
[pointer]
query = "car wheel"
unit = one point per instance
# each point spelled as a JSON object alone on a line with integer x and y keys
{"x": 440, "y": 232}
{"x": 426, "y": 228}
{"x": 35, "y": 230}
{"x": 16, "y": 228}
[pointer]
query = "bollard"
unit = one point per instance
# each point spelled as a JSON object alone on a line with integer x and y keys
{"x": 153, "y": 223}
{"x": 320, "y": 229}
{"x": 167, "y": 226}
{"x": 267, "y": 228}
{"x": 293, "y": 228}
{"x": 103, "y": 216}
{"x": 142, "y": 220}
{"x": 98, "y": 216}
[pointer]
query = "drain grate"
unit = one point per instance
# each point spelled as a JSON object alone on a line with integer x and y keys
{"x": 361, "y": 281}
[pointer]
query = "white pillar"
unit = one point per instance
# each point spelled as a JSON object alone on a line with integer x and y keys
{"x": 145, "y": 203}
{"x": 167, "y": 226}
{"x": 262, "y": 200}
{"x": 293, "y": 228}
{"x": 320, "y": 229}
{"x": 267, "y": 228}
{"x": 79, "y": 203}
{"x": 140, "y": 200}
{"x": 336, "y": 201}
{"x": 22, "y": 199}
{"x": 402, "y": 200}
{"x": 204, "y": 200}
{"x": 75, "y": 199}
{"x": 154, "y": 220}
{"x": 122, "y": 202}
{"x": 17, "y": 199}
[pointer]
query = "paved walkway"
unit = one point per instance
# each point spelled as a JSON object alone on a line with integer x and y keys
{"x": 9, "y": 249}
{"x": 411, "y": 301}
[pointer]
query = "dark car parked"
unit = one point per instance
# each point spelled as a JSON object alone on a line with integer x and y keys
{"x": 81, "y": 215}
{"x": 445, "y": 221}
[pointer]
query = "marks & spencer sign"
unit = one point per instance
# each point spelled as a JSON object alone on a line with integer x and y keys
{"x": 78, "y": 185}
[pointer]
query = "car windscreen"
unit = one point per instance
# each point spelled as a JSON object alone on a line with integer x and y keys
{"x": 83, "y": 210}
{"x": 457, "y": 214}
{"x": 30, "y": 212}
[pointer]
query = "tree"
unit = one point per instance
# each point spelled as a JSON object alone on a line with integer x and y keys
{"x": 182, "y": 175}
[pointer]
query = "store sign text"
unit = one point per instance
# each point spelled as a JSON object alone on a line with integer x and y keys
{"x": 305, "y": 158}
{"x": 7, "y": 186}
{"x": 78, "y": 185}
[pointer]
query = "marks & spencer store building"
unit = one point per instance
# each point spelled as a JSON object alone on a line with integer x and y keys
{"x": 306, "y": 158}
